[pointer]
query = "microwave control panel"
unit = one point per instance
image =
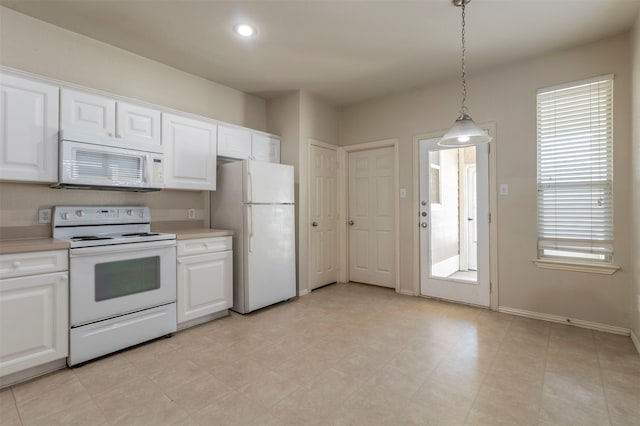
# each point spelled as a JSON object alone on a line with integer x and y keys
{"x": 157, "y": 170}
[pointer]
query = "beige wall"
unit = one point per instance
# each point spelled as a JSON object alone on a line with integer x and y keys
{"x": 34, "y": 46}
{"x": 635, "y": 176}
{"x": 507, "y": 96}
{"x": 298, "y": 117}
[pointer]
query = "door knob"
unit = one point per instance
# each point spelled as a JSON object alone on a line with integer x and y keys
{"x": 351, "y": 223}
{"x": 314, "y": 224}
{"x": 423, "y": 224}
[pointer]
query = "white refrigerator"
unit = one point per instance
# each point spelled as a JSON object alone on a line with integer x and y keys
{"x": 255, "y": 199}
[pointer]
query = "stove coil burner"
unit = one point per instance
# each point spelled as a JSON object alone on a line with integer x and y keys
{"x": 89, "y": 238}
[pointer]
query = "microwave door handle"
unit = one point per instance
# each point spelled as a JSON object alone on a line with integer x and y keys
{"x": 146, "y": 167}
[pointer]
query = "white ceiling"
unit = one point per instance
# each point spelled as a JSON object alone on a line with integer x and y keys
{"x": 343, "y": 50}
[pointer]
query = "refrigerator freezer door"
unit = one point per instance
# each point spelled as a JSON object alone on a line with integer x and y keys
{"x": 268, "y": 183}
{"x": 269, "y": 255}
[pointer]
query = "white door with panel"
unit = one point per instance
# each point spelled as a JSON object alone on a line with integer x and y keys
{"x": 87, "y": 112}
{"x": 371, "y": 217}
{"x": 454, "y": 187}
{"x": 190, "y": 153}
{"x": 28, "y": 130}
{"x": 138, "y": 124}
{"x": 265, "y": 148}
{"x": 34, "y": 309}
{"x": 323, "y": 214}
{"x": 234, "y": 143}
{"x": 205, "y": 284}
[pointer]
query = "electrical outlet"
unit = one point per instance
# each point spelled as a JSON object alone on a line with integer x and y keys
{"x": 639, "y": 303}
{"x": 191, "y": 213}
{"x": 44, "y": 215}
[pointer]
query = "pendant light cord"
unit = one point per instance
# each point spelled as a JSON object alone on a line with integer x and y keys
{"x": 463, "y": 107}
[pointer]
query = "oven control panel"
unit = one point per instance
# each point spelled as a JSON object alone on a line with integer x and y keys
{"x": 90, "y": 215}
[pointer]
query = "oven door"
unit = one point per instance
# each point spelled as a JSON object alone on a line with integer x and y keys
{"x": 108, "y": 281}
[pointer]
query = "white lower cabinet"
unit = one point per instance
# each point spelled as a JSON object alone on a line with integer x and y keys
{"x": 34, "y": 314}
{"x": 205, "y": 277}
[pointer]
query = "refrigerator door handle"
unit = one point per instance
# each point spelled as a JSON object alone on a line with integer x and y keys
{"x": 250, "y": 219}
{"x": 249, "y": 184}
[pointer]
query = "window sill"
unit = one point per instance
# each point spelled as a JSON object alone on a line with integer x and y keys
{"x": 576, "y": 266}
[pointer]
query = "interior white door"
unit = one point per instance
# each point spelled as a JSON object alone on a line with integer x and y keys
{"x": 371, "y": 217}
{"x": 323, "y": 215}
{"x": 441, "y": 194}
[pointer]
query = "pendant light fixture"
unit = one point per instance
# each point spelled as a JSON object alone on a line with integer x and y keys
{"x": 464, "y": 131}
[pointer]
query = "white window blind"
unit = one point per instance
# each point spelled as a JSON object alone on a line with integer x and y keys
{"x": 575, "y": 171}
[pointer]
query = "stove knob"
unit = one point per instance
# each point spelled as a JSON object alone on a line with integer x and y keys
{"x": 64, "y": 216}
{"x": 129, "y": 212}
{"x": 79, "y": 213}
{"x": 142, "y": 214}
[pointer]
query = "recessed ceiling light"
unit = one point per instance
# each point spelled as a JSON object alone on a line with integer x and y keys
{"x": 244, "y": 30}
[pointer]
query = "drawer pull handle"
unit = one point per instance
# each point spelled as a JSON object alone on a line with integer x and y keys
{"x": 64, "y": 277}
{"x": 17, "y": 264}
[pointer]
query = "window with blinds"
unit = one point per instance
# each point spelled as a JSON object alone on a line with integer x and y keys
{"x": 575, "y": 171}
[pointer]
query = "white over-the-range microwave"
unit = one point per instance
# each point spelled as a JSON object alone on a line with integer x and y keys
{"x": 91, "y": 161}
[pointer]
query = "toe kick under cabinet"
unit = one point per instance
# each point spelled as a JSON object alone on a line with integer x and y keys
{"x": 33, "y": 310}
{"x": 205, "y": 279}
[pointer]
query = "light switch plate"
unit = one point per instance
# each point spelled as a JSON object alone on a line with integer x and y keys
{"x": 191, "y": 213}
{"x": 403, "y": 192}
{"x": 504, "y": 189}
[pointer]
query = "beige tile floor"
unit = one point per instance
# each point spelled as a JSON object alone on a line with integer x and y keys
{"x": 349, "y": 355}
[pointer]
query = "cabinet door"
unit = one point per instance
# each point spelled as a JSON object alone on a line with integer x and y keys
{"x": 265, "y": 148}
{"x": 190, "y": 153}
{"x": 234, "y": 143}
{"x": 204, "y": 284}
{"x": 138, "y": 124}
{"x": 28, "y": 130}
{"x": 34, "y": 324}
{"x": 87, "y": 112}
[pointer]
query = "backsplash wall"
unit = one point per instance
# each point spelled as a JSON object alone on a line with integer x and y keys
{"x": 19, "y": 204}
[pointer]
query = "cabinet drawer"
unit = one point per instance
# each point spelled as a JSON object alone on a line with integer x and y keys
{"x": 38, "y": 262}
{"x": 203, "y": 245}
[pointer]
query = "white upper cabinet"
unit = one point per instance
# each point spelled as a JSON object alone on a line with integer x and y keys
{"x": 265, "y": 148}
{"x": 190, "y": 153}
{"x": 28, "y": 130}
{"x": 106, "y": 116}
{"x": 138, "y": 124}
{"x": 87, "y": 112}
{"x": 242, "y": 144}
{"x": 234, "y": 143}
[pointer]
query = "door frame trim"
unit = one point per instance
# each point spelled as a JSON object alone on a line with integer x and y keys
{"x": 343, "y": 203}
{"x": 491, "y": 127}
{"x": 316, "y": 142}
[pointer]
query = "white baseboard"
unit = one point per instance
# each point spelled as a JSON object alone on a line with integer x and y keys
{"x": 406, "y": 292}
{"x": 32, "y": 373}
{"x": 564, "y": 320}
{"x": 635, "y": 341}
{"x": 303, "y": 292}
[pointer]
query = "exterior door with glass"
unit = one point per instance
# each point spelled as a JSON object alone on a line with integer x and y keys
{"x": 454, "y": 222}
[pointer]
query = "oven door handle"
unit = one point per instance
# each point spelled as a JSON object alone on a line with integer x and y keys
{"x": 120, "y": 248}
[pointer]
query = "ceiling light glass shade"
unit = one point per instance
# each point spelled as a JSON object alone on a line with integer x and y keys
{"x": 244, "y": 30}
{"x": 464, "y": 132}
